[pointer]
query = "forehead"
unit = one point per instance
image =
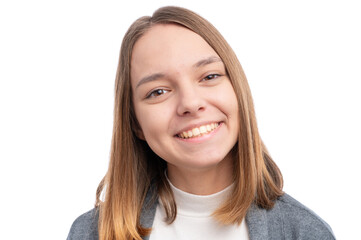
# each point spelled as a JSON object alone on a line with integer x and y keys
{"x": 165, "y": 47}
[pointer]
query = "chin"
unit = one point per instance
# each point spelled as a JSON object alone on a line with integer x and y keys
{"x": 202, "y": 164}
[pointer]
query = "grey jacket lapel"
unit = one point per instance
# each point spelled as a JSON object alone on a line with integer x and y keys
{"x": 149, "y": 209}
{"x": 264, "y": 224}
{"x": 257, "y": 223}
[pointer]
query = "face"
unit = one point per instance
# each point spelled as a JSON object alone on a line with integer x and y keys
{"x": 183, "y": 100}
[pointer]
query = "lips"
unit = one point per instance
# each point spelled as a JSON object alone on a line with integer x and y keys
{"x": 198, "y": 131}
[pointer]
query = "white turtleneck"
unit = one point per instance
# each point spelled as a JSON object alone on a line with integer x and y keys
{"x": 194, "y": 220}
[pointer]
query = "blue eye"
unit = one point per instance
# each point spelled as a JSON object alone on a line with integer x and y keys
{"x": 156, "y": 93}
{"x": 211, "y": 76}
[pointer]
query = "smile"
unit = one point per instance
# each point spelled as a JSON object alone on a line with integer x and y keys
{"x": 198, "y": 131}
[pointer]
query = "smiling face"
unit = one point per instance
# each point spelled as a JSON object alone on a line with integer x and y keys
{"x": 183, "y": 100}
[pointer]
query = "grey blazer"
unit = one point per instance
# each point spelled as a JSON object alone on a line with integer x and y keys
{"x": 288, "y": 219}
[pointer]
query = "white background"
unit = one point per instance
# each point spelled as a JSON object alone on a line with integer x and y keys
{"x": 57, "y": 69}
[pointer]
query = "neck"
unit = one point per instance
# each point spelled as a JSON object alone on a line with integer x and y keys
{"x": 204, "y": 181}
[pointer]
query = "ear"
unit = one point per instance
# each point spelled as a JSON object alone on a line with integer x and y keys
{"x": 139, "y": 133}
{"x": 136, "y": 128}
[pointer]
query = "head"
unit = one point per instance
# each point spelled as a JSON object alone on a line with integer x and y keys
{"x": 134, "y": 163}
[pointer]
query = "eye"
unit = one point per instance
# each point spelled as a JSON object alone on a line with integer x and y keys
{"x": 210, "y": 77}
{"x": 156, "y": 93}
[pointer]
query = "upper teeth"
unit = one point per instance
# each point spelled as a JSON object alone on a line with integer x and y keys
{"x": 201, "y": 130}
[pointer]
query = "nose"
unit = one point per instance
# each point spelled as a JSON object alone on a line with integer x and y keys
{"x": 190, "y": 101}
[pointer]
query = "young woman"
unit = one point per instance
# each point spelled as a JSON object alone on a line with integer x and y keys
{"x": 187, "y": 161}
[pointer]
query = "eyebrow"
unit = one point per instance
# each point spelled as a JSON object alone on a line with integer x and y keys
{"x": 200, "y": 63}
{"x": 207, "y": 61}
{"x": 150, "y": 78}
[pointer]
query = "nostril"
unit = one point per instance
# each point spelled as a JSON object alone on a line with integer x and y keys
{"x": 190, "y": 105}
{"x": 188, "y": 112}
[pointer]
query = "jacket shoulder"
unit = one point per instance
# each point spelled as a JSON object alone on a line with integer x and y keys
{"x": 299, "y": 222}
{"x": 85, "y": 227}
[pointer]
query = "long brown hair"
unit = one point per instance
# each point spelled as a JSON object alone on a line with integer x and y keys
{"x": 133, "y": 165}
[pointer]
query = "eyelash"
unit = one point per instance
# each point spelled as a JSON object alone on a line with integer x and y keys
{"x": 153, "y": 93}
{"x": 156, "y": 91}
{"x": 211, "y": 77}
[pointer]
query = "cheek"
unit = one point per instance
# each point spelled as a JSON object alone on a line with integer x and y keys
{"x": 233, "y": 107}
{"x": 226, "y": 99}
{"x": 153, "y": 120}
{"x": 233, "y": 104}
